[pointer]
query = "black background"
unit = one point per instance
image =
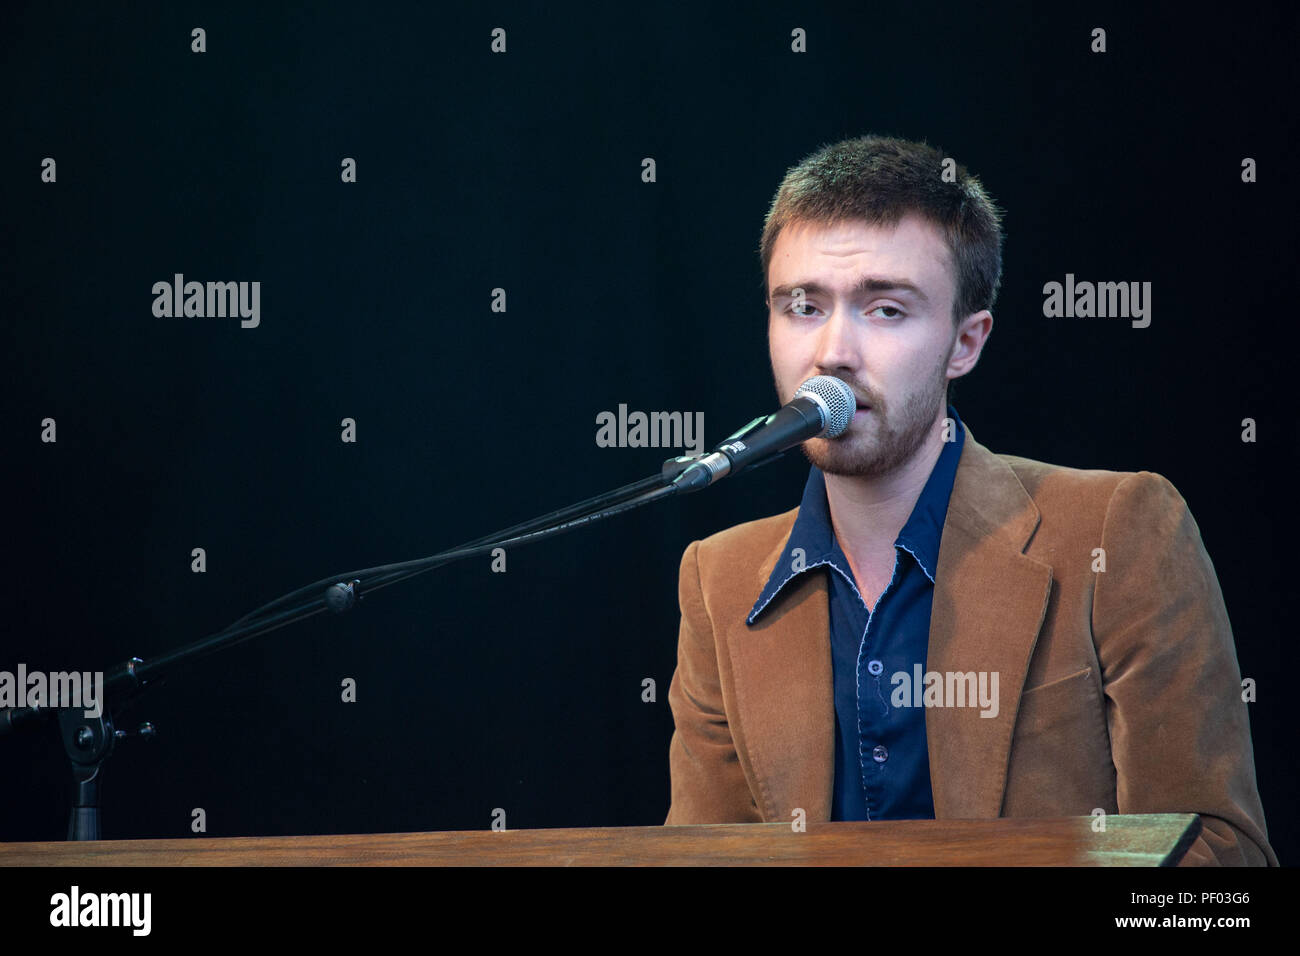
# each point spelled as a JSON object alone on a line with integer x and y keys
{"x": 523, "y": 171}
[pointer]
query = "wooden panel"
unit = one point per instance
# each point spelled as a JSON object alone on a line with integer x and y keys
{"x": 1129, "y": 840}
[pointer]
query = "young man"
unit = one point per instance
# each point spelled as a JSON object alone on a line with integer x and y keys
{"x": 937, "y": 630}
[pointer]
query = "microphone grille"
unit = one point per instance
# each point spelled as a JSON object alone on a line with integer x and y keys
{"x": 835, "y": 398}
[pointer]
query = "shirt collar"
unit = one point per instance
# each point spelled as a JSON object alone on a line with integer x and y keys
{"x": 813, "y": 533}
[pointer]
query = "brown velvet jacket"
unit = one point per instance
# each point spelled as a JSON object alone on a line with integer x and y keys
{"x": 1118, "y": 689}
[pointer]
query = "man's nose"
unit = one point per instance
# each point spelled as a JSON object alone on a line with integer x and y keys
{"x": 838, "y": 348}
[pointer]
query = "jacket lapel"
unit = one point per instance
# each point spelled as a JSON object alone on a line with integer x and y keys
{"x": 988, "y": 607}
{"x": 785, "y": 695}
{"x": 989, "y": 604}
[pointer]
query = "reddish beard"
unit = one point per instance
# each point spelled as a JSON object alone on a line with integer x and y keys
{"x": 885, "y": 439}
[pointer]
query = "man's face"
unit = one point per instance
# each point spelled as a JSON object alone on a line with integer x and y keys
{"x": 876, "y": 311}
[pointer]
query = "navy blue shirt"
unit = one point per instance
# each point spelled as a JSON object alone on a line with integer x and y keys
{"x": 882, "y": 762}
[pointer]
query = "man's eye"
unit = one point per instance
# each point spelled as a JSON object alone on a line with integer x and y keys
{"x": 897, "y": 313}
{"x": 794, "y": 307}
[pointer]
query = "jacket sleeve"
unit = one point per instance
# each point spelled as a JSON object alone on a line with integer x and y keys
{"x": 1179, "y": 730}
{"x": 708, "y": 784}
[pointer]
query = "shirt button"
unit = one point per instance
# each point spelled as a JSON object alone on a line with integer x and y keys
{"x": 880, "y": 754}
{"x": 876, "y": 668}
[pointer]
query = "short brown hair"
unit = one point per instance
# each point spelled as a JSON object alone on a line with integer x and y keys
{"x": 880, "y": 179}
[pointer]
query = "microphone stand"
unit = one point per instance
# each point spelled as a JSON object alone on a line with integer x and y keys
{"x": 89, "y": 741}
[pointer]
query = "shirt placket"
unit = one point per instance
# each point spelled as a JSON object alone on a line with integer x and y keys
{"x": 873, "y": 669}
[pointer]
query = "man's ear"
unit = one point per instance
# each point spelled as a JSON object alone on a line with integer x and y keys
{"x": 972, "y": 332}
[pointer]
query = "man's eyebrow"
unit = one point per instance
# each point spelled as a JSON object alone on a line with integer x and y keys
{"x": 864, "y": 284}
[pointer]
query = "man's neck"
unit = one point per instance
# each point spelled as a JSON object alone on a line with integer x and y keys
{"x": 868, "y": 513}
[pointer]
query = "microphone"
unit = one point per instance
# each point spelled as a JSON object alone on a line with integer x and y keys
{"x": 823, "y": 405}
